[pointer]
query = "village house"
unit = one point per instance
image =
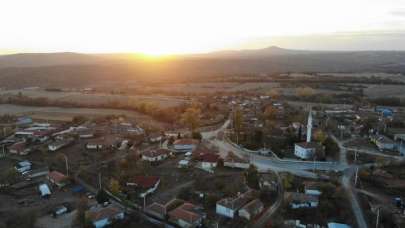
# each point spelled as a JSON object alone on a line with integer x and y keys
{"x": 233, "y": 161}
{"x": 44, "y": 190}
{"x": 250, "y": 210}
{"x": 144, "y": 185}
{"x": 302, "y": 200}
{"x": 96, "y": 144}
{"x": 185, "y": 145}
{"x": 155, "y": 155}
{"x": 186, "y": 216}
{"x": 58, "y": 144}
{"x": 104, "y": 216}
{"x": 209, "y": 161}
{"x": 337, "y": 225}
{"x": 312, "y": 188}
{"x": 160, "y": 211}
{"x": 305, "y": 150}
{"x": 383, "y": 142}
{"x": 155, "y": 137}
{"x": 85, "y": 133}
{"x": 58, "y": 179}
{"x": 229, "y": 207}
{"x": 19, "y": 148}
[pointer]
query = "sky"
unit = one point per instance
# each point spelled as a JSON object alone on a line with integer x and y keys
{"x": 190, "y": 26}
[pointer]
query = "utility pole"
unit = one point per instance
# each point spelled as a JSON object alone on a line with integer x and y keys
{"x": 99, "y": 180}
{"x": 66, "y": 164}
{"x": 378, "y": 218}
{"x": 356, "y": 177}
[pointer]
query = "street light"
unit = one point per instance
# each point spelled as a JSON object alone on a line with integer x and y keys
{"x": 66, "y": 164}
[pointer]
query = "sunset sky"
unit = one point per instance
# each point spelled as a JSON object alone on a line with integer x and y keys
{"x": 186, "y": 26}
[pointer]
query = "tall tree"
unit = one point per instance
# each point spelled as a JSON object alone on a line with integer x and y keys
{"x": 191, "y": 118}
{"x": 238, "y": 122}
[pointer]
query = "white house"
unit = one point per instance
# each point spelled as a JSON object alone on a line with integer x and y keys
{"x": 305, "y": 150}
{"x": 155, "y": 155}
{"x": 185, "y": 145}
{"x": 251, "y": 209}
{"x": 229, "y": 207}
{"x": 302, "y": 200}
{"x": 103, "y": 216}
{"x": 44, "y": 190}
{"x": 209, "y": 161}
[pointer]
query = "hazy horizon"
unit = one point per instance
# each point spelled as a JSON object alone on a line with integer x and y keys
{"x": 180, "y": 27}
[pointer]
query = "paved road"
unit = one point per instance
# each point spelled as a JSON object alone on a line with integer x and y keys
{"x": 261, "y": 222}
{"x": 346, "y": 181}
{"x": 297, "y": 167}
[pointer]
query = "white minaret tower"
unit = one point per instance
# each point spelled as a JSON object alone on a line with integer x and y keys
{"x": 309, "y": 126}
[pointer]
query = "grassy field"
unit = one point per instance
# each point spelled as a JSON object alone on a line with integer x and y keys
{"x": 96, "y": 99}
{"x": 66, "y": 114}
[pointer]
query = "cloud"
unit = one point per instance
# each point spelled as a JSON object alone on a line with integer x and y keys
{"x": 398, "y": 13}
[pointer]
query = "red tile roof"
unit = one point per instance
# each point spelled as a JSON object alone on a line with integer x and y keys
{"x": 145, "y": 181}
{"x": 155, "y": 153}
{"x": 102, "y": 213}
{"x": 57, "y": 176}
{"x": 212, "y": 158}
{"x": 185, "y": 142}
{"x": 17, "y": 146}
{"x": 185, "y": 213}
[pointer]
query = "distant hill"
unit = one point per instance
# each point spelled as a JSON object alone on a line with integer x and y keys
{"x": 72, "y": 69}
{"x": 47, "y": 59}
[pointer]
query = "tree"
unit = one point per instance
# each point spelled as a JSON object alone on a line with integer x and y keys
{"x": 252, "y": 177}
{"x": 184, "y": 194}
{"x": 274, "y": 93}
{"x": 238, "y": 122}
{"x": 305, "y": 92}
{"x": 269, "y": 113}
{"x": 81, "y": 212}
{"x": 196, "y": 135}
{"x": 10, "y": 176}
{"x": 102, "y": 197}
{"x": 114, "y": 186}
{"x": 331, "y": 147}
{"x": 191, "y": 118}
{"x": 288, "y": 181}
{"x": 320, "y": 136}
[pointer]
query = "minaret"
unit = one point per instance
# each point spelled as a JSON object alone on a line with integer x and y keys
{"x": 309, "y": 126}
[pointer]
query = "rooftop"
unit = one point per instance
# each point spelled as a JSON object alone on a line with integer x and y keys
{"x": 144, "y": 181}
{"x": 57, "y": 176}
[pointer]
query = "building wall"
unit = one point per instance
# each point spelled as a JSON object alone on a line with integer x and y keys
{"x": 227, "y": 212}
{"x": 304, "y": 153}
{"x": 236, "y": 165}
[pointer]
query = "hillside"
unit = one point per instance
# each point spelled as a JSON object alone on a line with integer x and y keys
{"x": 71, "y": 69}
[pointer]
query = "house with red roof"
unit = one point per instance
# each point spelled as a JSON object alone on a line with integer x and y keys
{"x": 58, "y": 179}
{"x": 155, "y": 155}
{"x": 144, "y": 184}
{"x": 104, "y": 216}
{"x": 251, "y": 209}
{"x": 19, "y": 148}
{"x": 185, "y": 145}
{"x": 187, "y": 215}
{"x": 233, "y": 161}
{"x": 209, "y": 161}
